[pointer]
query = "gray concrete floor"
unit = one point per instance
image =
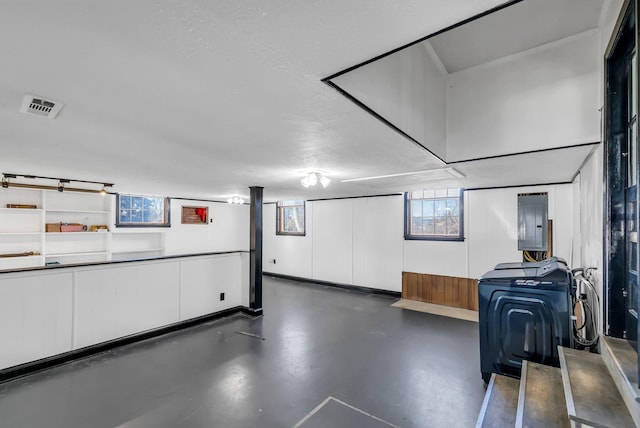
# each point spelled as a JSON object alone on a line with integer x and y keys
{"x": 381, "y": 366}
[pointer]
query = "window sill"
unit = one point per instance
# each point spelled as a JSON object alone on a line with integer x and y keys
{"x": 433, "y": 238}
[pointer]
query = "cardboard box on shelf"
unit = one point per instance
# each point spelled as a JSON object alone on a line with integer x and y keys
{"x": 52, "y": 227}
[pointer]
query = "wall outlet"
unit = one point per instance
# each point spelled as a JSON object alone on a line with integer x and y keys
{"x": 221, "y": 296}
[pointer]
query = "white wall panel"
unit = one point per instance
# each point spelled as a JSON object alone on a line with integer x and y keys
{"x": 292, "y": 254}
{"x": 409, "y": 90}
{"x": 591, "y": 211}
{"x": 117, "y": 301}
{"x": 561, "y": 212}
{"x": 493, "y": 225}
{"x": 545, "y": 97}
{"x": 228, "y": 230}
{"x": 377, "y": 242}
{"x": 203, "y": 279}
{"x": 35, "y": 317}
{"x": 245, "y": 279}
{"x": 436, "y": 258}
{"x": 333, "y": 241}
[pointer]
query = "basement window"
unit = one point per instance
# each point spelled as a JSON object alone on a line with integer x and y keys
{"x": 434, "y": 215}
{"x": 290, "y": 216}
{"x": 142, "y": 211}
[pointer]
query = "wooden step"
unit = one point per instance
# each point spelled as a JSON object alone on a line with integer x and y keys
{"x": 591, "y": 394}
{"x": 622, "y": 361}
{"x": 500, "y": 403}
{"x": 541, "y": 397}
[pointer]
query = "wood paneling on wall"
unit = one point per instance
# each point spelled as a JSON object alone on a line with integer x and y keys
{"x": 441, "y": 290}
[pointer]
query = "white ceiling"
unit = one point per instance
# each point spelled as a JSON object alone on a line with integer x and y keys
{"x": 200, "y": 98}
{"x": 536, "y": 23}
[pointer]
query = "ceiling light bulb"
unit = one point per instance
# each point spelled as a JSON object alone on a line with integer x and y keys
{"x": 305, "y": 182}
{"x": 324, "y": 181}
{"x": 313, "y": 179}
{"x": 60, "y": 186}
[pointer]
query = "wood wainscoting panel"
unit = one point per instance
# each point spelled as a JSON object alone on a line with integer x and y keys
{"x": 441, "y": 290}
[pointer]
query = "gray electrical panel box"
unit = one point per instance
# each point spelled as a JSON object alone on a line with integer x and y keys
{"x": 532, "y": 222}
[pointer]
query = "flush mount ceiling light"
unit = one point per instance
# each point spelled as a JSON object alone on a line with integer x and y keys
{"x": 314, "y": 178}
{"x": 235, "y": 200}
{"x": 435, "y": 174}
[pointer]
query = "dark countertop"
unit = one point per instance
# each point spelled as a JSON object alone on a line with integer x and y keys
{"x": 110, "y": 262}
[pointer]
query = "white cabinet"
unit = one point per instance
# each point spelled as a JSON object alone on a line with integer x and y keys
{"x": 26, "y": 242}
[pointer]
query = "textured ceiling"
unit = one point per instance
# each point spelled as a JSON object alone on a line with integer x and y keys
{"x": 202, "y": 99}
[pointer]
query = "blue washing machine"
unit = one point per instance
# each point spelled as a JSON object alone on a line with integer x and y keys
{"x": 525, "y": 313}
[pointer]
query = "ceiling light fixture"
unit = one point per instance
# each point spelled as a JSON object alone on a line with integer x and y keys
{"x": 314, "y": 178}
{"x": 235, "y": 200}
{"x": 449, "y": 170}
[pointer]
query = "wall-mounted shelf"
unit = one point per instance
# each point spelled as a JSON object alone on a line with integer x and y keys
{"x": 78, "y": 212}
{"x": 147, "y": 250}
{"x": 20, "y": 233}
{"x": 21, "y": 210}
{"x": 48, "y": 234}
{"x": 85, "y": 253}
{"x": 23, "y": 229}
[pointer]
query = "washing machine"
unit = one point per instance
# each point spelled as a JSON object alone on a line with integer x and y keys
{"x": 524, "y": 313}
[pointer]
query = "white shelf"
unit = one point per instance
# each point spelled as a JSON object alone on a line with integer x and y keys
{"x": 20, "y": 233}
{"x": 22, "y": 257}
{"x": 77, "y": 212}
{"x": 76, "y": 233}
{"x": 21, "y": 210}
{"x": 88, "y": 253}
{"x": 136, "y": 232}
{"x": 147, "y": 250}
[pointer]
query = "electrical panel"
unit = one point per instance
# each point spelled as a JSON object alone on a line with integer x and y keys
{"x": 532, "y": 222}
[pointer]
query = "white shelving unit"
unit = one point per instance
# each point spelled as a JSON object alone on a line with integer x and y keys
{"x": 137, "y": 243}
{"x": 23, "y": 230}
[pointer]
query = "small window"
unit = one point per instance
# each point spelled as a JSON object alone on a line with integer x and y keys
{"x": 434, "y": 215}
{"x": 142, "y": 211}
{"x": 290, "y": 218}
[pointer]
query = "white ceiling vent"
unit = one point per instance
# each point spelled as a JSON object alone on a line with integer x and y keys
{"x": 40, "y": 107}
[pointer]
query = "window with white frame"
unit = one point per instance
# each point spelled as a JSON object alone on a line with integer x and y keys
{"x": 434, "y": 215}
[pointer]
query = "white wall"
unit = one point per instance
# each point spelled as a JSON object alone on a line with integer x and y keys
{"x": 348, "y": 241}
{"x": 493, "y": 218}
{"x": 544, "y": 97}
{"x": 360, "y": 241}
{"x": 409, "y": 90}
{"x": 228, "y": 230}
{"x": 293, "y": 254}
{"x": 332, "y": 241}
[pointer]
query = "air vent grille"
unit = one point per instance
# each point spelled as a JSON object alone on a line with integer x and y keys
{"x": 40, "y": 107}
